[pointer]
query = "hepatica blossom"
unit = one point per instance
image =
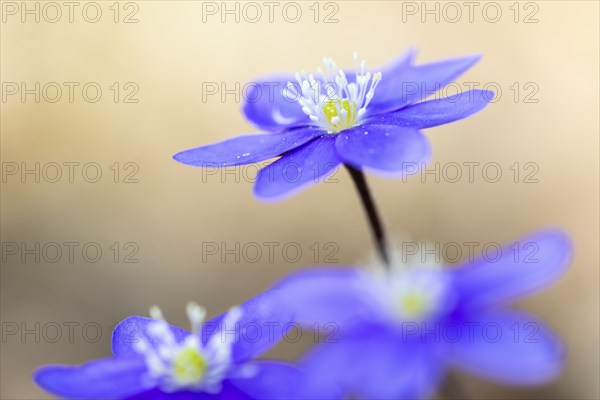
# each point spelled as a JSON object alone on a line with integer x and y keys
{"x": 155, "y": 360}
{"x": 401, "y": 330}
{"x": 315, "y": 123}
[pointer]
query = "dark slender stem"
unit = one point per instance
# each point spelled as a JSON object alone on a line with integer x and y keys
{"x": 451, "y": 389}
{"x": 371, "y": 210}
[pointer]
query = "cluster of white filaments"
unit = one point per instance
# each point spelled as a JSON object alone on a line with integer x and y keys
{"x": 186, "y": 364}
{"x": 330, "y": 100}
{"x": 414, "y": 286}
{"x": 418, "y": 293}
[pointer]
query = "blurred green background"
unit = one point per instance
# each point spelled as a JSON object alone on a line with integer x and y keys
{"x": 540, "y": 57}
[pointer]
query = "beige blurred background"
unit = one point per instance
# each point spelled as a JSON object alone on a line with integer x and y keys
{"x": 173, "y": 211}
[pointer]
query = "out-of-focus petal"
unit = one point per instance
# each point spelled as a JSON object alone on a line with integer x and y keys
{"x": 331, "y": 298}
{"x": 516, "y": 270}
{"x": 298, "y": 169}
{"x": 228, "y": 392}
{"x": 101, "y": 379}
{"x": 439, "y": 111}
{"x": 277, "y": 380}
{"x": 376, "y": 365}
{"x": 508, "y": 346}
{"x": 246, "y": 149}
{"x": 384, "y": 147}
{"x": 264, "y": 320}
{"x": 132, "y": 329}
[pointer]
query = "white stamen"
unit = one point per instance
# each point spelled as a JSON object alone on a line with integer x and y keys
{"x": 196, "y": 315}
{"x": 330, "y": 100}
{"x": 186, "y": 364}
{"x": 156, "y": 313}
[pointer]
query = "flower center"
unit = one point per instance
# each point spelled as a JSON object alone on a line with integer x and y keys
{"x": 189, "y": 366}
{"x": 330, "y": 100}
{"x": 334, "y": 110}
{"x": 419, "y": 293}
{"x": 186, "y": 364}
{"x": 413, "y": 305}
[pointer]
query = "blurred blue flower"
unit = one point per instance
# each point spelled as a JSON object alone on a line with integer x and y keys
{"x": 367, "y": 120}
{"x": 155, "y": 360}
{"x": 399, "y": 332}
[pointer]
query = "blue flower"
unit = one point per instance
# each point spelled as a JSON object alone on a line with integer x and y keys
{"x": 399, "y": 332}
{"x": 366, "y": 120}
{"x": 155, "y": 360}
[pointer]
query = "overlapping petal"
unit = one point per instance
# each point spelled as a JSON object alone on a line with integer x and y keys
{"x": 306, "y": 165}
{"x": 415, "y": 83}
{"x": 133, "y": 329}
{"x": 246, "y": 149}
{"x": 384, "y": 147}
{"x": 264, "y": 320}
{"x": 436, "y": 112}
{"x": 100, "y": 379}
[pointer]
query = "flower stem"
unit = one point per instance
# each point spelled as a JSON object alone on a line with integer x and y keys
{"x": 362, "y": 187}
{"x": 451, "y": 389}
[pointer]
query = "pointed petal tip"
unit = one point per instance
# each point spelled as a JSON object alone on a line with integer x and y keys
{"x": 473, "y": 57}
{"x": 411, "y": 53}
{"x": 467, "y": 60}
{"x": 178, "y": 157}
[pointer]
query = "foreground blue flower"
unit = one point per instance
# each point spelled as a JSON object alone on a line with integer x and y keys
{"x": 155, "y": 360}
{"x": 366, "y": 120}
{"x": 401, "y": 331}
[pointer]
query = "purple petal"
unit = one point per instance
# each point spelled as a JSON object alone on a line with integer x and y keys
{"x": 130, "y": 330}
{"x": 517, "y": 270}
{"x": 439, "y": 111}
{"x": 300, "y": 168}
{"x": 508, "y": 346}
{"x": 264, "y": 320}
{"x": 412, "y": 84}
{"x": 100, "y": 379}
{"x": 278, "y": 380}
{"x": 331, "y": 298}
{"x": 376, "y": 365}
{"x": 246, "y": 149}
{"x": 384, "y": 147}
{"x": 270, "y": 106}
{"x": 228, "y": 392}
